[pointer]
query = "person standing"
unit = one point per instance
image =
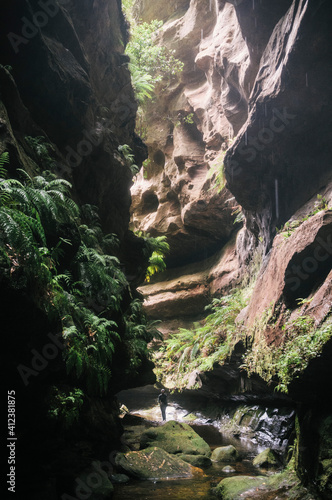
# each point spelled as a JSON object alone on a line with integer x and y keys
{"x": 162, "y": 400}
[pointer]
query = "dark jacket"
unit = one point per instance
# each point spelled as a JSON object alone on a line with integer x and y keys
{"x": 162, "y": 398}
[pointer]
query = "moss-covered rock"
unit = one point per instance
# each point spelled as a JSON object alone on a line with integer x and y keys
{"x": 267, "y": 458}
{"x": 224, "y": 454}
{"x": 232, "y": 488}
{"x": 196, "y": 460}
{"x": 174, "y": 437}
{"x": 154, "y": 463}
{"x": 240, "y": 487}
{"x": 325, "y": 478}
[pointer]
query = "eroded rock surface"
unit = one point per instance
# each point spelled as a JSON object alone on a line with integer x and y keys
{"x": 154, "y": 463}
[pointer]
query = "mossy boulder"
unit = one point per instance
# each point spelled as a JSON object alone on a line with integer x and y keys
{"x": 225, "y": 454}
{"x": 232, "y": 488}
{"x": 275, "y": 486}
{"x": 154, "y": 463}
{"x": 174, "y": 437}
{"x": 325, "y": 478}
{"x": 267, "y": 458}
{"x": 196, "y": 460}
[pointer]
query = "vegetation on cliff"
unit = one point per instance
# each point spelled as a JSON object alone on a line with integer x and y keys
{"x": 57, "y": 252}
{"x": 152, "y": 65}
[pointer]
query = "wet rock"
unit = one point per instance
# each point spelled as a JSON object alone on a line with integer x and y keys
{"x": 119, "y": 478}
{"x": 283, "y": 485}
{"x": 228, "y": 469}
{"x": 154, "y": 463}
{"x": 174, "y": 437}
{"x": 196, "y": 460}
{"x": 232, "y": 488}
{"x": 224, "y": 454}
{"x": 266, "y": 459}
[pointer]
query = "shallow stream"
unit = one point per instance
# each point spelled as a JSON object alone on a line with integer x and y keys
{"x": 197, "y": 487}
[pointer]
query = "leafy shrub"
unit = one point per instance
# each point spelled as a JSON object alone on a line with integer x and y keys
{"x": 206, "y": 344}
{"x": 129, "y": 158}
{"x": 41, "y": 148}
{"x": 150, "y": 62}
{"x": 156, "y": 248}
{"x": 302, "y": 342}
{"x": 90, "y": 296}
{"x": 64, "y": 406}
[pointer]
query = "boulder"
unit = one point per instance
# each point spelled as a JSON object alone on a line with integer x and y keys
{"x": 224, "y": 454}
{"x": 196, "y": 460}
{"x": 273, "y": 487}
{"x": 154, "y": 463}
{"x": 174, "y": 437}
{"x": 228, "y": 469}
{"x": 232, "y": 488}
{"x": 266, "y": 459}
{"x": 119, "y": 478}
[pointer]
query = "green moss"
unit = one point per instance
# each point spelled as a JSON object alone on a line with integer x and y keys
{"x": 224, "y": 454}
{"x": 174, "y": 437}
{"x": 232, "y": 488}
{"x": 325, "y": 478}
{"x": 236, "y": 487}
{"x": 303, "y": 342}
{"x": 266, "y": 458}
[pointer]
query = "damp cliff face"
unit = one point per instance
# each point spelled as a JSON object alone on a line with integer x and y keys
{"x": 71, "y": 85}
{"x": 254, "y": 96}
{"x": 66, "y": 105}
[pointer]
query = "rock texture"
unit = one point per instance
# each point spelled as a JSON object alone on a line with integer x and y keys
{"x": 255, "y": 95}
{"x": 154, "y": 463}
{"x": 255, "y": 83}
{"x": 175, "y": 438}
{"x": 69, "y": 82}
{"x": 64, "y": 79}
{"x": 224, "y": 454}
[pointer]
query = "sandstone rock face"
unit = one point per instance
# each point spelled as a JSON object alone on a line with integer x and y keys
{"x": 278, "y": 160}
{"x": 177, "y": 195}
{"x": 181, "y": 294}
{"x": 256, "y": 89}
{"x": 298, "y": 264}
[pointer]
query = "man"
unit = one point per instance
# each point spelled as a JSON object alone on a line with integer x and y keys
{"x": 162, "y": 400}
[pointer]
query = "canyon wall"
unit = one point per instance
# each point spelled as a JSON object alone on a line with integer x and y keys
{"x": 255, "y": 87}
{"x": 246, "y": 129}
{"x": 66, "y": 105}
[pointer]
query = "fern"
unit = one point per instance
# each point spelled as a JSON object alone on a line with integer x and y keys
{"x": 4, "y": 159}
{"x": 129, "y": 158}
